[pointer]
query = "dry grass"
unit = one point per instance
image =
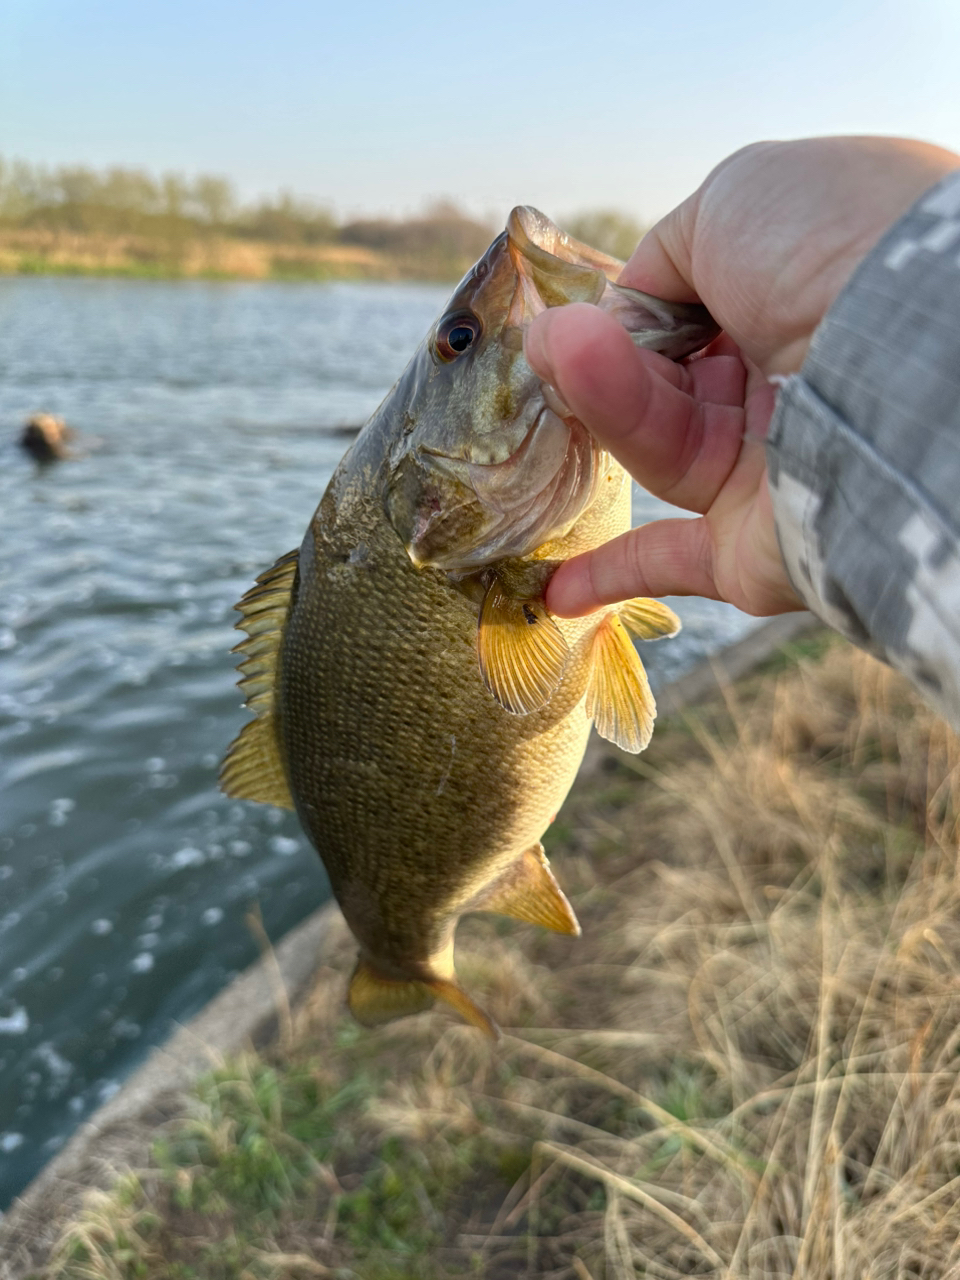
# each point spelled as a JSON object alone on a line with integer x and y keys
{"x": 748, "y": 1067}
{"x": 43, "y": 252}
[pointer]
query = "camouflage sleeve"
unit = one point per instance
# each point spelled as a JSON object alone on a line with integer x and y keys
{"x": 864, "y": 454}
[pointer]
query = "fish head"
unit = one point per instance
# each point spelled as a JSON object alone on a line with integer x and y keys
{"x": 488, "y": 462}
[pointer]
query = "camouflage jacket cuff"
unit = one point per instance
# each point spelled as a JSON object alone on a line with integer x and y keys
{"x": 864, "y": 454}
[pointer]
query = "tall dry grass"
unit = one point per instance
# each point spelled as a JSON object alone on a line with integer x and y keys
{"x": 748, "y": 1067}
{"x": 761, "y": 1057}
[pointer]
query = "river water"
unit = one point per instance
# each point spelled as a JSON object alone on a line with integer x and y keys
{"x": 125, "y": 877}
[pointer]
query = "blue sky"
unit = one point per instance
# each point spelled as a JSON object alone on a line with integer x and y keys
{"x": 376, "y": 106}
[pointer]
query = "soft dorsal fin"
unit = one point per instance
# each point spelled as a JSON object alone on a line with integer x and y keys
{"x": 528, "y": 891}
{"x": 253, "y": 767}
{"x": 619, "y": 700}
{"x": 521, "y": 650}
{"x": 648, "y": 619}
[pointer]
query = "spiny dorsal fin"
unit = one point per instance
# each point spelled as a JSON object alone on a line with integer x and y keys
{"x": 648, "y": 619}
{"x": 619, "y": 700}
{"x": 253, "y": 767}
{"x": 528, "y": 891}
{"x": 521, "y": 650}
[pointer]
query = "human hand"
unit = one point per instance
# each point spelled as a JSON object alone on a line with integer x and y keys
{"x": 767, "y": 242}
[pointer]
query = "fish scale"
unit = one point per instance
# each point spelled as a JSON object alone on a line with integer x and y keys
{"x": 415, "y": 701}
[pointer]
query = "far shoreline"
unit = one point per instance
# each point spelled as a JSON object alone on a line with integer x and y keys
{"x": 26, "y": 253}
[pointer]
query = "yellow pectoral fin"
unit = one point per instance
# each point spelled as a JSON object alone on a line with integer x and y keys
{"x": 648, "y": 619}
{"x": 528, "y": 891}
{"x": 521, "y": 650}
{"x": 253, "y": 768}
{"x": 618, "y": 696}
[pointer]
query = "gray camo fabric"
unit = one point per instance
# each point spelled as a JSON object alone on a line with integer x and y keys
{"x": 864, "y": 454}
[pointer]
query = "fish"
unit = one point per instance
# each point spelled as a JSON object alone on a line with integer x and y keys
{"x": 414, "y": 700}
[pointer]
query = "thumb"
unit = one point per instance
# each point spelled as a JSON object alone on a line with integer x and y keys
{"x": 662, "y": 263}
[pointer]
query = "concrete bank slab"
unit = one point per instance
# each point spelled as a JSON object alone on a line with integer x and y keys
{"x": 119, "y": 1134}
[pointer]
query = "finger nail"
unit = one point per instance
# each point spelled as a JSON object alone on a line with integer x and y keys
{"x": 553, "y": 400}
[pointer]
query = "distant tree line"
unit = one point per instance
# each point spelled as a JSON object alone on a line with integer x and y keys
{"x": 607, "y": 229}
{"x": 128, "y": 201}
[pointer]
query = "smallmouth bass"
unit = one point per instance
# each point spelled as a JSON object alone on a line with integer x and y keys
{"x": 415, "y": 702}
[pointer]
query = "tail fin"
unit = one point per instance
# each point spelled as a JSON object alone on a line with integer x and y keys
{"x": 374, "y": 1000}
{"x": 469, "y": 1010}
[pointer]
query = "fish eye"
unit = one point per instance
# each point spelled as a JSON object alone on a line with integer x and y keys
{"x": 455, "y": 334}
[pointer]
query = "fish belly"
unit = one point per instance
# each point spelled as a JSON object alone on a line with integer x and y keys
{"x": 415, "y": 786}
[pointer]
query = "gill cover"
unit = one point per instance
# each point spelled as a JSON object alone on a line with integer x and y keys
{"x": 484, "y": 467}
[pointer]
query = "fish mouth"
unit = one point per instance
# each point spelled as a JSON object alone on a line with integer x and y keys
{"x": 455, "y": 515}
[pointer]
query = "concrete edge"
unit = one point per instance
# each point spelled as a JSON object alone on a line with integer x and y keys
{"x": 118, "y": 1134}
{"x": 245, "y": 1012}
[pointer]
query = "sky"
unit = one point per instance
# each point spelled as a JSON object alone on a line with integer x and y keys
{"x": 377, "y": 107}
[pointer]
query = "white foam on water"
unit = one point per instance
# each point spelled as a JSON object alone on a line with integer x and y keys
{"x": 125, "y": 1029}
{"x": 60, "y": 1069}
{"x": 16, "y": 1023}
{"x": 188, "y": 857}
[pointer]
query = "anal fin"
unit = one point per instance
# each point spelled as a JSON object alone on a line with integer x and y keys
{"x": 521, "y": 650}
{"x": 528, "y": 891}
{"x": 619, "y": 699}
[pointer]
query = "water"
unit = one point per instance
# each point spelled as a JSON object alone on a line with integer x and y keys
{"x": 124, "y": 875}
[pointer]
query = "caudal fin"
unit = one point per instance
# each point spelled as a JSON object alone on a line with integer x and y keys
{"x": 374, "y": 1000}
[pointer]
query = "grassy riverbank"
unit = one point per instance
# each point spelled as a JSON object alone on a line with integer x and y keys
{"x": 748, "y": 1066}
{"x": 212, "y": 257}
{"x": 74, "y": 220}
